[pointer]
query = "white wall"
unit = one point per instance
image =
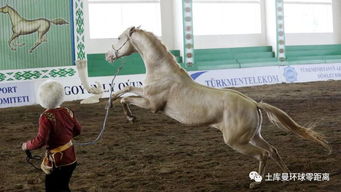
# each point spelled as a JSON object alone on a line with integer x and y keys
{"x": 270, "y": 11}
{"x": 319, "y": 38}
{"x": 171, "y": 22}
{"x": 171, "y": 28}
{"x": 310, "y": 38}
{"x": 167, "y": 23}
{"x": 337, "y": 20}
{"x": 178, "y": 25}
{"x": 220, "y": 41}
{"x": 235, "y": 40}
{"x": 95, "y": 45}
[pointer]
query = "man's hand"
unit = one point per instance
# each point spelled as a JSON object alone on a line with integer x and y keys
{"x": 24, "y": 147}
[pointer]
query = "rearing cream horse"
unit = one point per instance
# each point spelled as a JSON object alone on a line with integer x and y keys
{"x": 169, "y": 89}
{"x": 22, "y": 26}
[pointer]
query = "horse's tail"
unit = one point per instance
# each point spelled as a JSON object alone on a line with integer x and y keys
{"x": 283, "y": 120}
{"x": 59, "y": 21}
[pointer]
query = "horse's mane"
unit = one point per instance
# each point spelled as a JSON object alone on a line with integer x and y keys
{"x": 169, "y": 56}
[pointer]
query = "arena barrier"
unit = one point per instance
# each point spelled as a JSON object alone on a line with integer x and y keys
{"x": 21, "y": 93}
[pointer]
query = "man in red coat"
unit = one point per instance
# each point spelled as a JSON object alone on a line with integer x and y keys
{"x": 57, "y": 127}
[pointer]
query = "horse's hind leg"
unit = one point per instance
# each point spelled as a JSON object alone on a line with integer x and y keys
{"x": 36, "y": 44}
{"x": 244, "y": 146}
{"x": 260, "y": 142}
{"x": 251, "y": 150}
{"x": 41, "y": 38}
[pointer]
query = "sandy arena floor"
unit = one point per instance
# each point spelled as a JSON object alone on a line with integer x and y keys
{"x": 159, "y": 154}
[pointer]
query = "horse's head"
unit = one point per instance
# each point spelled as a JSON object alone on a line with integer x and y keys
{"x": 5, "y": 9}
{"x": 122, "y": 46}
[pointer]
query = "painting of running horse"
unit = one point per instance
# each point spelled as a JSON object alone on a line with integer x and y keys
{"x": 22, "y": 26}
{"x": 170, "y": 90}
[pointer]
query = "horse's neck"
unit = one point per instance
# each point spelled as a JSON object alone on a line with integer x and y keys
{"x": 14, "y": 16}
{"x": 155, "y": 56}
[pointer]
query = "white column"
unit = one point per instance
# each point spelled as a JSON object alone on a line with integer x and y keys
{"x": 188, "y": 46}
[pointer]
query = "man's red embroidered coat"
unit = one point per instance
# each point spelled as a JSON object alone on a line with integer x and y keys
{"x": 56, "y": 128}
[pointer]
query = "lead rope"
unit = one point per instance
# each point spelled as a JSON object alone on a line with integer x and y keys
{"x": 109, "y": 100}
{"x": 30, "y": 157}
{"x": 107, "y": 112}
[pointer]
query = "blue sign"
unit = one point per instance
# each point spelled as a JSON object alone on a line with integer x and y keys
{"x": 197, "y": 74}
{"x": 290, "y": 74}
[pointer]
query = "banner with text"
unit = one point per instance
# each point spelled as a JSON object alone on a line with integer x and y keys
{"x": 307, "y": 73}
{"x": 238, "y": 77}
{"x": 17, "y": 94}
{"x": 23, "y": 93}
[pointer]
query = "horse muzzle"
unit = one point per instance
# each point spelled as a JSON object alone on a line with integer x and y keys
{"x": 110, "y": 56}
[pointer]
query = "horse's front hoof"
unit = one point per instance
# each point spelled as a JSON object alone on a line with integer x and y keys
{"x": 131, "y": 119}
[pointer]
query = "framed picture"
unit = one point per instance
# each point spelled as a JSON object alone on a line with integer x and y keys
{"x": 36, "y": 34}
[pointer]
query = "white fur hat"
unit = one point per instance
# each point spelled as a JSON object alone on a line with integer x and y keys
{"x": 50, "y": 94}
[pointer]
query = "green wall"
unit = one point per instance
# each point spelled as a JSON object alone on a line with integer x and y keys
{"x": 133, "y": 64}
{"x": 224, "y": 58}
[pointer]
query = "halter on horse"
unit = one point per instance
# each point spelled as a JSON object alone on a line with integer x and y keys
{"x": 169, "y": 89}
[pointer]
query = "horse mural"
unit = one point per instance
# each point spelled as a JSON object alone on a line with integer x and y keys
{"x": 22, "y": 26}
{"x": 169, "y": 89}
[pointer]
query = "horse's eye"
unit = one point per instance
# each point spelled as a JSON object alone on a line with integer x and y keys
{"x": 119, "y": 38}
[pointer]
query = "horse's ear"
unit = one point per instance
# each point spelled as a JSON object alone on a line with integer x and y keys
{"x": 131, "y": 31}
